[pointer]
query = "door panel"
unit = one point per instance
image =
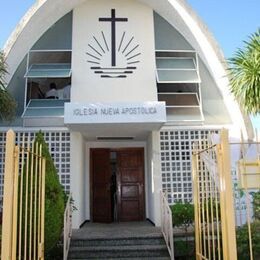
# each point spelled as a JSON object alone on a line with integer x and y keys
{"x": 130, "y": 210}
{"x": 130, "y": 175}
{"x": 130, "y": 182}
{"x": 101, "y": 178}
{"x": 130, "y": 191}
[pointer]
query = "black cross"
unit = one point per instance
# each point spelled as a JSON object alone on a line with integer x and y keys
{"x": 113, "y": 21}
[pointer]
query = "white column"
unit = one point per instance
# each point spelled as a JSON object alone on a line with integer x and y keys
{"x": 154, "y": 177}
{"x": 77, "y": 178}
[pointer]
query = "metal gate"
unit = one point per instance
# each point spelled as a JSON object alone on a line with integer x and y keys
{"x": 213, "y": 201}
{"x": 23, "y": 200}
{"x": 215, "y": 189}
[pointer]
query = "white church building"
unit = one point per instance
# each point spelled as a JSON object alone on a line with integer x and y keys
{"x": 134, "y": 84}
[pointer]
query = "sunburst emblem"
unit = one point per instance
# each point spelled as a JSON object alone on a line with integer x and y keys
{"x": 115, "y": 60}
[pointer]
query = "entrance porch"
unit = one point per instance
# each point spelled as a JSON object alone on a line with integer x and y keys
{"x": 138, "y": 179}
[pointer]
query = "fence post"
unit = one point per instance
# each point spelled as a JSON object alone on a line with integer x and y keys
{"x": 8, "y": 196}
{"x": 15, "y": 201}
{"x": 195, "y": 201}
{"x": 226, "y": 198}
{"x": 41, "y": 244}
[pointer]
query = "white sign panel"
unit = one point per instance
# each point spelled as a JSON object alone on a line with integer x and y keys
{"x": 141, "y": 112}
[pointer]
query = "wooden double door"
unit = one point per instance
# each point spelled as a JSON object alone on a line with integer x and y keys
{"x": 117, "y": 190}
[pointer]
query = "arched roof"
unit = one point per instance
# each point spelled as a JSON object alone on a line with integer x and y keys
{"x": 44, "y": 13}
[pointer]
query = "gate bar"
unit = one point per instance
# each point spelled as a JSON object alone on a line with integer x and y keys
{"x": 8, "y": 196}
{"x": 226, "y": 198}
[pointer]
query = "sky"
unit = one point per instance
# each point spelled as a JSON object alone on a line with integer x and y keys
{"x": 230, "y": 21}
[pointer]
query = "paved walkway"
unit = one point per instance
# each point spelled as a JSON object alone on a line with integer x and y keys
{"x": 115, "y": 230}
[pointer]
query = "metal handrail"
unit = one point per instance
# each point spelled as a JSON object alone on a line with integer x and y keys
{"x": 166, "y": 224}
{"x": 67, "y": 231}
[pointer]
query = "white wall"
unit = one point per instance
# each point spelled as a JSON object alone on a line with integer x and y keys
{"x": 150, "y": 187}
{"x": 90, "y": 87}
{"x": 78, "y": 180}
{"x": 154, "y": 177}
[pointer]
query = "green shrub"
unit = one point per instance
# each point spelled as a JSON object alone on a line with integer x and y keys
{"x": 184, "y": 250}
{"x": 182, "y": 214}
{"x": 183, "y": 217}
{"x": 54, "y": 199}
{"x": 243, "y": 241}
{"x": 256, "y": 205}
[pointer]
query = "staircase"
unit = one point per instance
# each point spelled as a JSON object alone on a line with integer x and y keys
{"x": 138, "y": 240}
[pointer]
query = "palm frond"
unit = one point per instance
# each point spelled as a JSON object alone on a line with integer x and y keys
{"x": 3, "y": 69}
{"x": 7, "y": 102}
{"x": 244, "y": 74}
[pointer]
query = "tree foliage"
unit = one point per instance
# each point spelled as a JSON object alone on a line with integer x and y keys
{"x": 244, "y": 72}
{"x": 54, "y": 199}
{"x": 7, "y": 102}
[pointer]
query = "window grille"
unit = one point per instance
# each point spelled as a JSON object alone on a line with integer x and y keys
{"x": 176, "y": 166}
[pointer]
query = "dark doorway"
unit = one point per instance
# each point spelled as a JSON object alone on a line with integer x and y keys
{"x": 101, "y": 175}
{"x": 117, "y": 190}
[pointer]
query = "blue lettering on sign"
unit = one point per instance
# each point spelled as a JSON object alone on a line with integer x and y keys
{"x": 85, "y": 112}
{"x": 111, "y": 111}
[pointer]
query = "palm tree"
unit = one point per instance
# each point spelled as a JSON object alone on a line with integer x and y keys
{"x": 7, "y": 102}
{"x": 244, "y": 72}
{"x": 3, "y": 69}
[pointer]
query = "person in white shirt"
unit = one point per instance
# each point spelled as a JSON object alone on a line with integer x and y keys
{"x": 66, "y": 92}
{"x": 52, "y": 93}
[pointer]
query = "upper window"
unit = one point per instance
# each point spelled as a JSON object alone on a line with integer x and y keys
{"x": 48, "y": 74}
{"x": 176, "y": 67}
{"x": 178, "y": 84}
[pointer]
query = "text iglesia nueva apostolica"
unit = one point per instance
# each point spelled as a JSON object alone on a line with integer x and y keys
{"x": 89, "y": 111}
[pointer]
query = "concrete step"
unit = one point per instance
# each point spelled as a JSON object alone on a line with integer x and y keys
{"x": 126, "y": 258}
{"x": 128, "y": 241}
{"x": 154, "y": 240}
{"x": 106, "y": 252}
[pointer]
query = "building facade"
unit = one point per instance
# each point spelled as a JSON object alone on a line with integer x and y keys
{"x": 121, "y": 91}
